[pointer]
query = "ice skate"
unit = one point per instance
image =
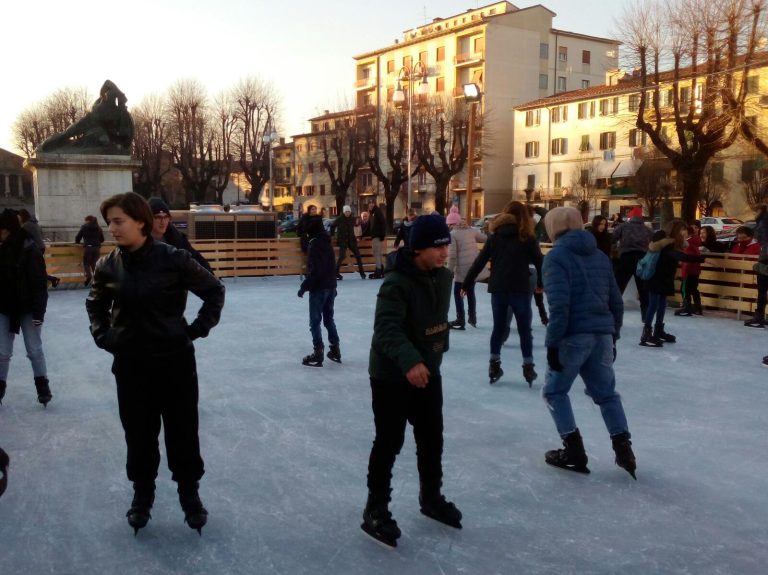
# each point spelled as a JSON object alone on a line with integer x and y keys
{"x": 659, "y": 333}
{"x": 436, "y": 507}
{"x": 648, "y": 339}
{"x": 458, "y": 323}
{"x": 334, "y": 353}
{"x": 685, "y": 311}
{"x": 472, "y": 320}
{"x": 494, "y": 370}
{"x": 573, "y": 457}
{"x": 529, "y": 373}
{"x": 625, "y": 458}
{"x": 139, "y": 513}
{"x": 3, "y": 385}
{"x": 757, "y": 321}
{"x": 316, "y": 359}
{"x": 44, "y": 394}
{"x": 195, "y": 515}
{"x": 378, "y": 522}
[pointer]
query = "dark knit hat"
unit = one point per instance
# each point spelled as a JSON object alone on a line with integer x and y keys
{"x": 429, "y": 232}
{"x": 158, "y": 206}
{"x": 9, "y": 220}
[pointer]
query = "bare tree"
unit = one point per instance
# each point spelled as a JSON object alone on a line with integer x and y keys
{"x": 710, "y": 194}
{"x": 756, "y": 189}
{"x": 345, "y": 151}
{"x": 440, "y": 139}
{"x": 584, "y": 183}
{"x": 150, "y": 146}
{"x": 256, "y": 115}
{"x": 692, "y": 59}
{"x": 652, "y": 188}
{"x": 223, "y": 124}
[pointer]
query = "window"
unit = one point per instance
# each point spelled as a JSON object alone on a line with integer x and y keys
{"x": 559, "y": 114}
{"x": 561, "y": 85}
{"x": 559, "y": 146}
{"x": 584, "y": 84}
{"x": 423, "y": 58}
{"x": 609, "y": 106}
{"x": 716, "y": 172}
{"x": 299, "y": 169}
{"x": 440, "y": 54}
{"x": 753, "y": 84}
{"x": 309, "y": 190}
{"x": 531, "y": 149}
{"x": 685, "y": 99}
{"x": 583, "y": 110}
{"x": 311, "y": 168}
{"x": 407, "y": 62}
{"x": 440, "y": 85}
{"x": 390, "y": 66}
{"x": 562, "y": 53}
{"x": 299, "y": 147}
{"x": 478, "y": 46}
{"x": 634, "y": 102}
{"x": 558, "y": 180}
{"x": 585, "y": 145}
{"x": 584, "y": 178}
{"x": 607, "y": 140}
{"x": 586, "y": 55}
{"x": 531, "y": 182}
{"x": 670, "y": 97}
{"x": 533, "y": 118}
{"x": 544, "y": 51}
{"x": 390, "y": 93}
{"x": 322, "y": 189}
{"x": 543, "y": 81}
{"x": 748, "y": 171}
{"x": 637, "y": 138}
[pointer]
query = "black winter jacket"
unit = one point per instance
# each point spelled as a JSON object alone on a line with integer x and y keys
{"x": 663, "y": 280}
{"x": 509, "y": 258}
{"x": 90, "y": 234}
{"x": 23, "y": 281}
{"x": 345, "y": 231}
{"x": 321, "y": 264}
{"x": 378, "y": 224}
{"x": 179, "y": 241}
{"x": 137, "y": 300}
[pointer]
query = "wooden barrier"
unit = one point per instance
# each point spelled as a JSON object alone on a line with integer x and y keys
{"x": 727, "y": 281}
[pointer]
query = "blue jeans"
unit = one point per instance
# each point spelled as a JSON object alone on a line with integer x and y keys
{"x": 657, "y": 305}
{"x": 321, "y": 308}
{"x": 519, "y": 305}
{"x": 590, "y": 356}
{"x": 32, "y": 341}
{"x": 459, "y": 301}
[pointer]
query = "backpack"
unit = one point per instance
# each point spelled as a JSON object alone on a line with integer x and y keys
{"x": 646, "y": 267}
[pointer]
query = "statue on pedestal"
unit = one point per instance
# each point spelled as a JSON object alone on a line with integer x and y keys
{"x": 106, "y": 129}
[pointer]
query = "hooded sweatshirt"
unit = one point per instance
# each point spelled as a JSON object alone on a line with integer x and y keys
{"x": 632, "y": 236}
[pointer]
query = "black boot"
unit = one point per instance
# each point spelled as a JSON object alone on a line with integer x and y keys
{"x": 435, "y": 506}
{"x": 362, "y": 274}
{"x": 143, "y": 498}
{"x": 697, "y": 308}
{"x": 494, "y": 370}
{"x": 757, "y": 321}
{"x": 659, "y": 333}
{"x": 195, "y": 515}
{"x": 685, "y": 311}
{"x": 339, "y": 277}
{"x": 334, "y": 354}
{"x": 3, "y": 385}
{"x": 625, "y": 458}
{"x": 648, "y": 339}
{"x": 472, "y": 320}
{"x": 573, "y": 457}
{"x": 378, "y": 521}
{"x": 458, "y": 323}
{"x": 316, "y": 359}
{"x": 43, "y": 390}
{"x": 529, "y": 373}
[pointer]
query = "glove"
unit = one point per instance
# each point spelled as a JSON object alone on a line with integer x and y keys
{"x": 300, "y": 293}
{"x": 553, "y": 359}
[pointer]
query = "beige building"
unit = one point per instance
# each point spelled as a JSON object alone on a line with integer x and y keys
{"x": 514, "y": 55}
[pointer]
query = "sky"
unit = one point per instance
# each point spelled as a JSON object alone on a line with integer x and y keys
{"x": 304, "y": 48}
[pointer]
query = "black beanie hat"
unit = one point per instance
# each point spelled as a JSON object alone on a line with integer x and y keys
{"x": 9, "y": 220}
{"x": 157, "y": 205}
{"x": 429, "y": 232}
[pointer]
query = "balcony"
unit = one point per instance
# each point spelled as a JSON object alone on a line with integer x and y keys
{"x": 468, "y": 58}
{"x": 365, "y": 84}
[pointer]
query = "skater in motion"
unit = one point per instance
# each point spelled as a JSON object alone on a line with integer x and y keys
{"x": 410, "y": 335}
{"x": 320, "y": 282}
{"x": 23, "y": 302}
{"x": 136, "y": 309}
{"x": 461, "y": 254}
{"x": 585, "y": 316}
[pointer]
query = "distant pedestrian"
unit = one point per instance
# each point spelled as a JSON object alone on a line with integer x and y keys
{"x": 690, "y": 272}
{"x": 378, "y": 231}
{"x": 632, "y": 238}
{"x": 92, "y": 237}
{"x": 404, "y": 233}
{"x": 599, "y": 229}
{"x": 346, "y": 240}
{"x": 461, "y": 255}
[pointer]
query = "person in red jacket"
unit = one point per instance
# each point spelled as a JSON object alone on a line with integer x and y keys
{"x": 745, "y": 243}
{"x": 690, "y": 272}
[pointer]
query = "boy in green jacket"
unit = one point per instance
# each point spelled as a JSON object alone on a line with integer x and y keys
{"x": 410, "y": 335}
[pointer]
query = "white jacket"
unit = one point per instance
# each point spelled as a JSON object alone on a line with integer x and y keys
{"x": 463, "y": 250}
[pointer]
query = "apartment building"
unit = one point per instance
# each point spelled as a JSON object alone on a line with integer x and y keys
{"x": 584, "y": 145}
{"x": 513, "y": 54}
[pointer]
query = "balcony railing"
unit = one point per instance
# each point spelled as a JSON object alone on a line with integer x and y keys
{"x": 466, "y": 57}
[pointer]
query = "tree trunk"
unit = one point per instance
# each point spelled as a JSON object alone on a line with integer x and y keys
{"x": 691, "y": 179}
{"x": 441, "y": 193}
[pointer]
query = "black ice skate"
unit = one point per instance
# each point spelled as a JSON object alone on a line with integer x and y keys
{"x": 43, "y": 390}
{"x": 472, "y": 319}
{"x": 5, "y": 461}
{"x": 659, "y": 333}
{"x": 529, "y": 373}
{"x": 139, "y": 513}
{"x": 625, "y": 458}
{"x": 573, "y": 457}
{"x": 757, "y": 321}
{"x": 195, "y": 515}
{"x": 648, "y": 339}
{"x": 494, "y": 370}
{"x": 378, "y": 522}
{"x": 459, "y": 322}
{"x": 334, "y": 354}
{"x": 314, "y": 360}
{"x": 436, "y": 507}
{"x": 2, "y": 390}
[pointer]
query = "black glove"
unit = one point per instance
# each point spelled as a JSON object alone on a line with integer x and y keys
{"x": 553, "y": 359}
{"x": 300, "y": 293}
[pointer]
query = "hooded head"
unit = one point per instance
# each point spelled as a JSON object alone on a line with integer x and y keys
{"x": 636, "y": 212}
{"x": 429, "y": 232}
{"x": 561, "y": 220}
{"x": 453, "y": 216}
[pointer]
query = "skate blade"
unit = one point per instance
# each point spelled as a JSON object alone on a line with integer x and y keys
{"x": 385, "y": 542}
{"x": 455, "y": 525}
{"x": 582, "y": 470}
{"x": 312, "y": 364}
{"x": 648, "y": 344}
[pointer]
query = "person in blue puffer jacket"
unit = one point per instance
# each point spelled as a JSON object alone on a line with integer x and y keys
{"x": 585, "y": 317}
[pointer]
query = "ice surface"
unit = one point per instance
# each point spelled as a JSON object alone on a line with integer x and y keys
{"x": 286, "y": 451}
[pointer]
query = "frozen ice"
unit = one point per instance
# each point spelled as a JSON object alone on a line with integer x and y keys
{"x": 286, "y": 450}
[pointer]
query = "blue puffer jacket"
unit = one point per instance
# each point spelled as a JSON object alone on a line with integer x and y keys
{"x": 581, "y": 289}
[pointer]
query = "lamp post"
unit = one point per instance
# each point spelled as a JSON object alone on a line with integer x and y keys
{"x": 472, "y": 95}
{"x": 269, "y": 139}
{"x": 410, "y": 74}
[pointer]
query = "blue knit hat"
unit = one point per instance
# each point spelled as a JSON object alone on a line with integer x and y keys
{"x": 429, "y": 232}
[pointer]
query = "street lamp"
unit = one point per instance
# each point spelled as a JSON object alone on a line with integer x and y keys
{"x": 410, "y": 74}
{"x": 268, "y": 139}
{"x": 472, "y": 95}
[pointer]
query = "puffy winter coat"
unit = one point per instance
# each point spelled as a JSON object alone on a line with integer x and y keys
{"x": 321, "y": 264}
{"x": 748, "y": 247}
{"x": 463, "y": 250}
{"x": 632, "y": 236}
{"x": 411, "y": 322}
{"x": 581, "y": 289}
{"x": 509, "y": 258}
{"x": 345, "y": 231}
{"x": 137, "y": 300}
{"x": 23, "y": 281}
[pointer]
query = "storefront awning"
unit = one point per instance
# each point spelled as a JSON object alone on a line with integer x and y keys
{"x": 606, "y": 168}
{"x": 627, "y": 168}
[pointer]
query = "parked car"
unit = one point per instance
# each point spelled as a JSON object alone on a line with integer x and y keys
{"x": 721, "y": 224}
{"x": 288, "y": 226}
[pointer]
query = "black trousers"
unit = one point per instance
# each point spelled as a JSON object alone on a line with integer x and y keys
{"x": 396, "y": 403}
{"x": 762, "y": 295}
{"x": 343, "y": 255}
{"x": 689, "y": 289}
{"x": 151, "y": 390}
{"x": 625, "y": 270}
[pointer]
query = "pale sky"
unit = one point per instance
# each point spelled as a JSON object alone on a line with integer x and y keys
{"x": 303, "y": 47}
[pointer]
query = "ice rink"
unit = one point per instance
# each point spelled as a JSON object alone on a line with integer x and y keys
{"x": 286, "y": 449}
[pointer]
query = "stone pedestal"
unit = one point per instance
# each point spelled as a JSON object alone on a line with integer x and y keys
{"x": 69, "y": 187}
